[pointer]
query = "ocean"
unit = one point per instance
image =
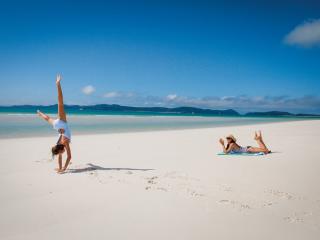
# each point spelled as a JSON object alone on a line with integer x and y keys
{"x": 16, "y": 125}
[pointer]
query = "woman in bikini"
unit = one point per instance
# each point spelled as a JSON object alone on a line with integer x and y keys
{"x": 61, "y": 125}
{"x": 233, "y": 147}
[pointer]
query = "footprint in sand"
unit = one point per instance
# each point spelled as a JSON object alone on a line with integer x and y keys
{"x": 162, "y": 189}
{"x": 226, "y": 188}
{"x": 228, "y": 202}
{"x": 280, "y": 194}
{"x": 194, "y": 193}
{"x": 152, "y": 180}
{"x": 294, "y": 219}
{"x": 235, "y": 204}
{"x": 183, "y": 177}
{"x": 93, "y": 174}
{"x": 244, "y": 206}
{"x": 267, "y": 204}
{"x": 171, "y": 181}
{"x": 43, "y": 160}
{"x": 298, "y": 217}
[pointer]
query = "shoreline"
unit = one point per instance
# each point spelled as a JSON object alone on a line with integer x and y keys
{"x": 48, "y": 135}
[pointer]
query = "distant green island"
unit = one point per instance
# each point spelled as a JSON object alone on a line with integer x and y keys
{"x": 115, "y": 109}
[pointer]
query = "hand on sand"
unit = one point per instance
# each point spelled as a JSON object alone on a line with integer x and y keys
{"x": 221, "y": 141}
{"x": 61, "y": 170}
{"x": 58, "y": 78}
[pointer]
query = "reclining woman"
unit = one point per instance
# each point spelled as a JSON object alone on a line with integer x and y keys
{"x": 233, "y": 147}
{"x": 61, "y": 125}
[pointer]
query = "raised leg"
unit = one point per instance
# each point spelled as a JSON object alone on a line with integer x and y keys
{"x": 45, "y": 117}
{"x": 261, "y": 142}
{"x": 257, "y": 150}
{"x": 61, "y": 113}
{"x": 262, "y": 146}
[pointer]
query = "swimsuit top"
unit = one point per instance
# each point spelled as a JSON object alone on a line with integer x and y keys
{"x": 60, "y": 124}
{"x": 240, "y": 150}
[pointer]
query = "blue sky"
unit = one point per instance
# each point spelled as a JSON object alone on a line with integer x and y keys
{"x": 257, "y": 55}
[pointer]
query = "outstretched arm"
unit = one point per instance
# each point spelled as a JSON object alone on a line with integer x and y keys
{"x": 67, "y": 146}
{"x": 61, "y": 112}
{"x": 45, "y": 117}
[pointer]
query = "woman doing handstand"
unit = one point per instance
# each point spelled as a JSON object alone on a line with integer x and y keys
{"x": 61, "y": 125}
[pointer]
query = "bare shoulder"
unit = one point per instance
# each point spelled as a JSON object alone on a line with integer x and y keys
{"x": 232, "y": 146}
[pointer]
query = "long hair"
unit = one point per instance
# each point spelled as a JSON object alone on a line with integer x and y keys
{"x": 56, "y": 149}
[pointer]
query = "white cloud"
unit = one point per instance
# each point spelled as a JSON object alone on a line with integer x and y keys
{"x": 306, "y": 34}
{"x": 111, "y": 95}
{"x": 87, "y": 90}
{"x": 171, "y": 97}
{"x": 240, "y": 103}
{"x": 253, "y": 103}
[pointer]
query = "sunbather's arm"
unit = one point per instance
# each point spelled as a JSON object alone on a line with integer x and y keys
{"x": 226, "y": 150}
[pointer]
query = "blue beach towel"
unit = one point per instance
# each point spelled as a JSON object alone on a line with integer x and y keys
{"x": 241, "y": 154}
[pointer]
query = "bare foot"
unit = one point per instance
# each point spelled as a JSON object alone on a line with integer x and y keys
{"x": 57, "y": 169}
{"x": 256, "y": 136}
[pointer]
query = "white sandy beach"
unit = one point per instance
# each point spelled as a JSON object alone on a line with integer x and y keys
{"x": 164, "y": 185}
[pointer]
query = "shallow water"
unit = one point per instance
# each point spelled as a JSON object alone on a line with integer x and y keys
{"x": 30, "y": 125}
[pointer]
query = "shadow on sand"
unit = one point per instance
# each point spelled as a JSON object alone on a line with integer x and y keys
{"x": 92, "y": 167}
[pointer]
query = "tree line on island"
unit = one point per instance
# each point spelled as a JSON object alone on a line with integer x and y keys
{"x": 114, "y": 108}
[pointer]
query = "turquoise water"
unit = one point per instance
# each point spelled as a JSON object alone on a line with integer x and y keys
{"x": 30, "y": 125}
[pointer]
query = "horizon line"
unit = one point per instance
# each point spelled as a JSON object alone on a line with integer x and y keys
{"x": 151, "y": 107}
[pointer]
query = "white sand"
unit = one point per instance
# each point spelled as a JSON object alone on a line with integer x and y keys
{"x": 191, "y": 194}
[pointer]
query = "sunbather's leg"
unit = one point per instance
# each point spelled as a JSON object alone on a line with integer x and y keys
{"x": 257, "y": 150}
{"x": 260, "y": 141}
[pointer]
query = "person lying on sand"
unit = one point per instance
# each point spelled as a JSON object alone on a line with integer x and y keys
{"x": 233, "y": 147}
{"x": 61, "y": 125}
